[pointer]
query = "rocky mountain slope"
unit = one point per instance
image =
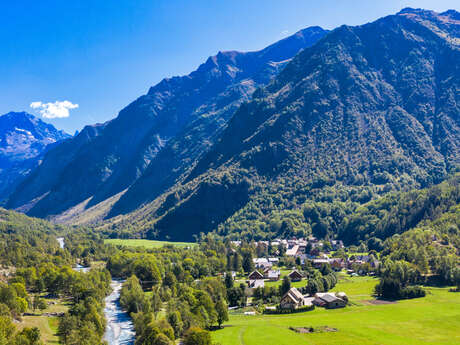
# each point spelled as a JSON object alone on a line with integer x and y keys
{"x": 367, "y": 109}
{"x": 24, "y": 139}
{"x": 155, "y": 139}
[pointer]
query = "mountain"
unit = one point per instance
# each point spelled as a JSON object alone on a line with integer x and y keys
{"x": 24, "y": 139}
{"x": 154, "y": 140}
{"x": 366, "y": 110}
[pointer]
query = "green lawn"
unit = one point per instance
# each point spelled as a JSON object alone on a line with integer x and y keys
{"x": 356, "y": 288}
{"x": 434, "y": 319}
{"x": 147, "y": 243}
{"x": 48, "y": 325}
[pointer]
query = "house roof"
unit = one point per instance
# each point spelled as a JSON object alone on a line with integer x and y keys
{"x": 294, "y": 295}
{"x": 327, "y": 297}
{"x": 256, "y": 275}
{"x": 292, "y": 251}
{"x": 256, "y": 283}
{"x": 320, "y": 261}
{"x": 260, "y": 260}
{"x": 263, "y": 264}
{"x": 295, "y": 273}
{"x": 273, "y": 274}
{"x": 308, "y": 300}
{"x": 341, "y": 294}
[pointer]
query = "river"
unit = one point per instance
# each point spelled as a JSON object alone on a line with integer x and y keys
{"x": 119, "y": 329}
{"x": 61, "y": 242}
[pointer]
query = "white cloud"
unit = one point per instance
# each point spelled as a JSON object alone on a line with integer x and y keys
{"x": 284, "y": 32}
{"x": 58, "y": 109}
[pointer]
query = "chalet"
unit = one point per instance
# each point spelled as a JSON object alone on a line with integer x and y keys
{"x": 254, "y": 284}
{"x": 338, "y": 264}
{"x": 292, "y": 251}
{"x": 273, "y": 260}
{"x": 317, "y": 263}
{"x": 273, "y": 275}
{"x": 330, "y": 300}
{"x": 262, "y": 263}
{"x": 257, "y": 261}
{"x": 256, "y": 275}
{"x": 292, "y": 299}
{"x": 317, "y": 245}
{"x": 342, "y": 295}
{"x": 266, "y": 266}
{"x": 295, "y": 276}
{"x": 292, "y": 242}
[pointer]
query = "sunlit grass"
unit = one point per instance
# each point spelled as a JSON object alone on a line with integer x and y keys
{"x": 147, "y": 243}
{"x": 434, "y": 319}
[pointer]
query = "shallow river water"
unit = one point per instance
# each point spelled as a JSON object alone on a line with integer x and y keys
{"x": 119, "y": 330}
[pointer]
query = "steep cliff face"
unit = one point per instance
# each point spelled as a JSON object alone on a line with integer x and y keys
{"x": 164, "y": 130}
{"x": 376, "y": 104}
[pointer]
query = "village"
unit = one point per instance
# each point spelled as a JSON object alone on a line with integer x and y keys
{"x": 289, "y": 263}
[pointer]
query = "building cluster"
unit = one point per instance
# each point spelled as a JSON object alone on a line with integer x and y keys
{"x": 293, "y": 299}
{"x": 350, "y": 264}
{"x": 257, "y": 278}
{"x": 311, "y": 250}
{"x": 297, "y": 246}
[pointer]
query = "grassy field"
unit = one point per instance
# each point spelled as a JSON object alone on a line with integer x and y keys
{"x": 48, "y": 325}
{"x": 356, "y": 288}
{"x": 434, "y": 319}
{"x": 147, "y": 243}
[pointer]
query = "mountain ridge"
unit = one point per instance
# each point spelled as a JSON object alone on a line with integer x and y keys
{"x": 118, "y": 152}
{"x": 337, "y": 115}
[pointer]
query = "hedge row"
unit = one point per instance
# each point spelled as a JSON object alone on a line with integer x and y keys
{"x": 278, "y": 310}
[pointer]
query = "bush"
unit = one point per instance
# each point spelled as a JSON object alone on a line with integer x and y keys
{"x": 278, "y": 310}
{"x": 413, "y": 292}
{"x": 197, "y": 336}
{"x": 391, "y": 289}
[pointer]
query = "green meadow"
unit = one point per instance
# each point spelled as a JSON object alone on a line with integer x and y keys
{"x": 47, "y": 325}
{"x": 434, "y": 319}
{"x": 147, "y": 243}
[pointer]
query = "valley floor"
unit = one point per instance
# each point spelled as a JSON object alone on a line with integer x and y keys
{"x": 146, "y": 243}
{"x": 434, "y": 319}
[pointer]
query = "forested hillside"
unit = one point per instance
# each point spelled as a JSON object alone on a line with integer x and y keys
{"x": 35, "y": 269}
{"x": 154, "y": 139}
{"x": 340, "y": 123}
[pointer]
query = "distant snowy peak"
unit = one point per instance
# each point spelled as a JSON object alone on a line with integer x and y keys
{"x": 24, "y": 136}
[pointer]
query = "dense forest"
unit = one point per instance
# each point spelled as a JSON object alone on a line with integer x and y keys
{"x": 34, "y": 265}
{"x": 184, "y": 293}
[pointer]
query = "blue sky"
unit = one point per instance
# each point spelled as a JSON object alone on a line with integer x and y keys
{"x": 103, "y": 54}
